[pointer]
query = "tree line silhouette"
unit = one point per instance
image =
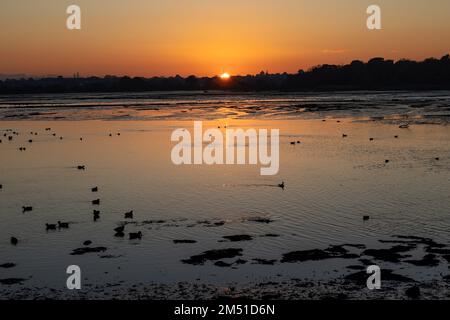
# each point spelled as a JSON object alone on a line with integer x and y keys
{"x": 376, "y": 74}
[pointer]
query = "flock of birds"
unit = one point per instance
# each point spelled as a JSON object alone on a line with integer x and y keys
{"x": 119, "y": 231}
{"x": 344, "y": 135}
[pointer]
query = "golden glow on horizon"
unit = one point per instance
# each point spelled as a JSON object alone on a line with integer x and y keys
{"x": 170, "y": 37}
{"x": 225, "y": 76}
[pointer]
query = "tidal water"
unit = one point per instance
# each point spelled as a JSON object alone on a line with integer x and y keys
{"x": 331, "y": 182}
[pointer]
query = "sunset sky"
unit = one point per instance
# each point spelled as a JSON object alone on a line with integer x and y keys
{"x": 207, "y": 37}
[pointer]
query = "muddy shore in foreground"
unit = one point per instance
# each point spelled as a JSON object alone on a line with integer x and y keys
{"x": 294, "y": 289}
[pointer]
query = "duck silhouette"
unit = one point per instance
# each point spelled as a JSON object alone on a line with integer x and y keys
{"x": 14, "y": 241}
{"x": 135, "y": 235}
{"x": 119, "y": 229}
{"x": 94, "y": 189}
{"x": 365, "y": 218}
{"x": 27, "y": 209}
{"x": 49, "y": 226}
{"x": 96, "y": 201}
{"x": 96, "y": 214}
{"x": 83, "y": 167}
{"x": 281, "y": 185}
{"x": 129, "y": 215}
{"x": 63, "y": 225}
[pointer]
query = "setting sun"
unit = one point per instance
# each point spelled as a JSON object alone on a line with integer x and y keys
{"x": 225, "y": 76}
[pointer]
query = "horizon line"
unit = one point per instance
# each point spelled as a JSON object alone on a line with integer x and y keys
{"x": 21, "y": 75}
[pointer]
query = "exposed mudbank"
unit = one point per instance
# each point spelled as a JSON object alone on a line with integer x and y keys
{"x": 7, "y": 265}
{"x": 360, "y": 277}
{"x": 397, "y": 107}
{"x": 239, "y": 237}
{"x": 213, "y": 255}
{"x": 335, "y": 251}
{"x": 80, "y": 251}
{"x": 11, "y": 281}
{"x": 184, "y": 241}
{"x": 394, "y": 287}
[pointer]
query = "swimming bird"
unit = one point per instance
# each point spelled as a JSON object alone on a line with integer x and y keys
{"x": 81, "y": 167}
{"x": 14, "y": 241}
{"x": 396, "y": 137}
{"x": 27, "y": 208}
{"x": 96, "y": 215}
{"x": 9, "y": 138}
{"x": 110, "y": 134}
{"x": 437, "y": 159}
{"x": 119, "y": 234}
{"x": 63, "y": 225}
{"x": 1, "y": 186}
{"x": 30, "y": 141}
{"x": 135, "y": 235}
{"x": 292, "y": 142}
{"x": 371, "y": 139}
{"x": 87, "y": 243}
{"x": 365, "y": 218}
{"x": 129, "y": 215}
{"x": 386, "y": 161}
{"x": 49, "y": 226}
{"x": 344, "y": 136}
{"x": 119, "y": 229}
{"x": 94, "y": 189}
{"x": 281, "y": 185}
{"x": 81, "y": 139}
{"x": 298, "y": 141}
{"x": 96, "y": 201}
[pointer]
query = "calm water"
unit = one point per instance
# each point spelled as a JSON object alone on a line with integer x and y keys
{"x": 331, "y": 183}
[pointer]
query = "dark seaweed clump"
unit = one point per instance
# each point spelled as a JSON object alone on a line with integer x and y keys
{"x": 81, "y": 251}
{"x": 213, "y": 255}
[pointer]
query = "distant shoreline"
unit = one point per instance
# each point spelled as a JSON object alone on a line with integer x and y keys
{"x": 376, "y": 74}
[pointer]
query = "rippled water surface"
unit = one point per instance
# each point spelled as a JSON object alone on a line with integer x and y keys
{"x": 331, "y": 183}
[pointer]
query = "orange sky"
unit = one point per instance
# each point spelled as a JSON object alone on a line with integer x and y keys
{"x": 206, "y": 37}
